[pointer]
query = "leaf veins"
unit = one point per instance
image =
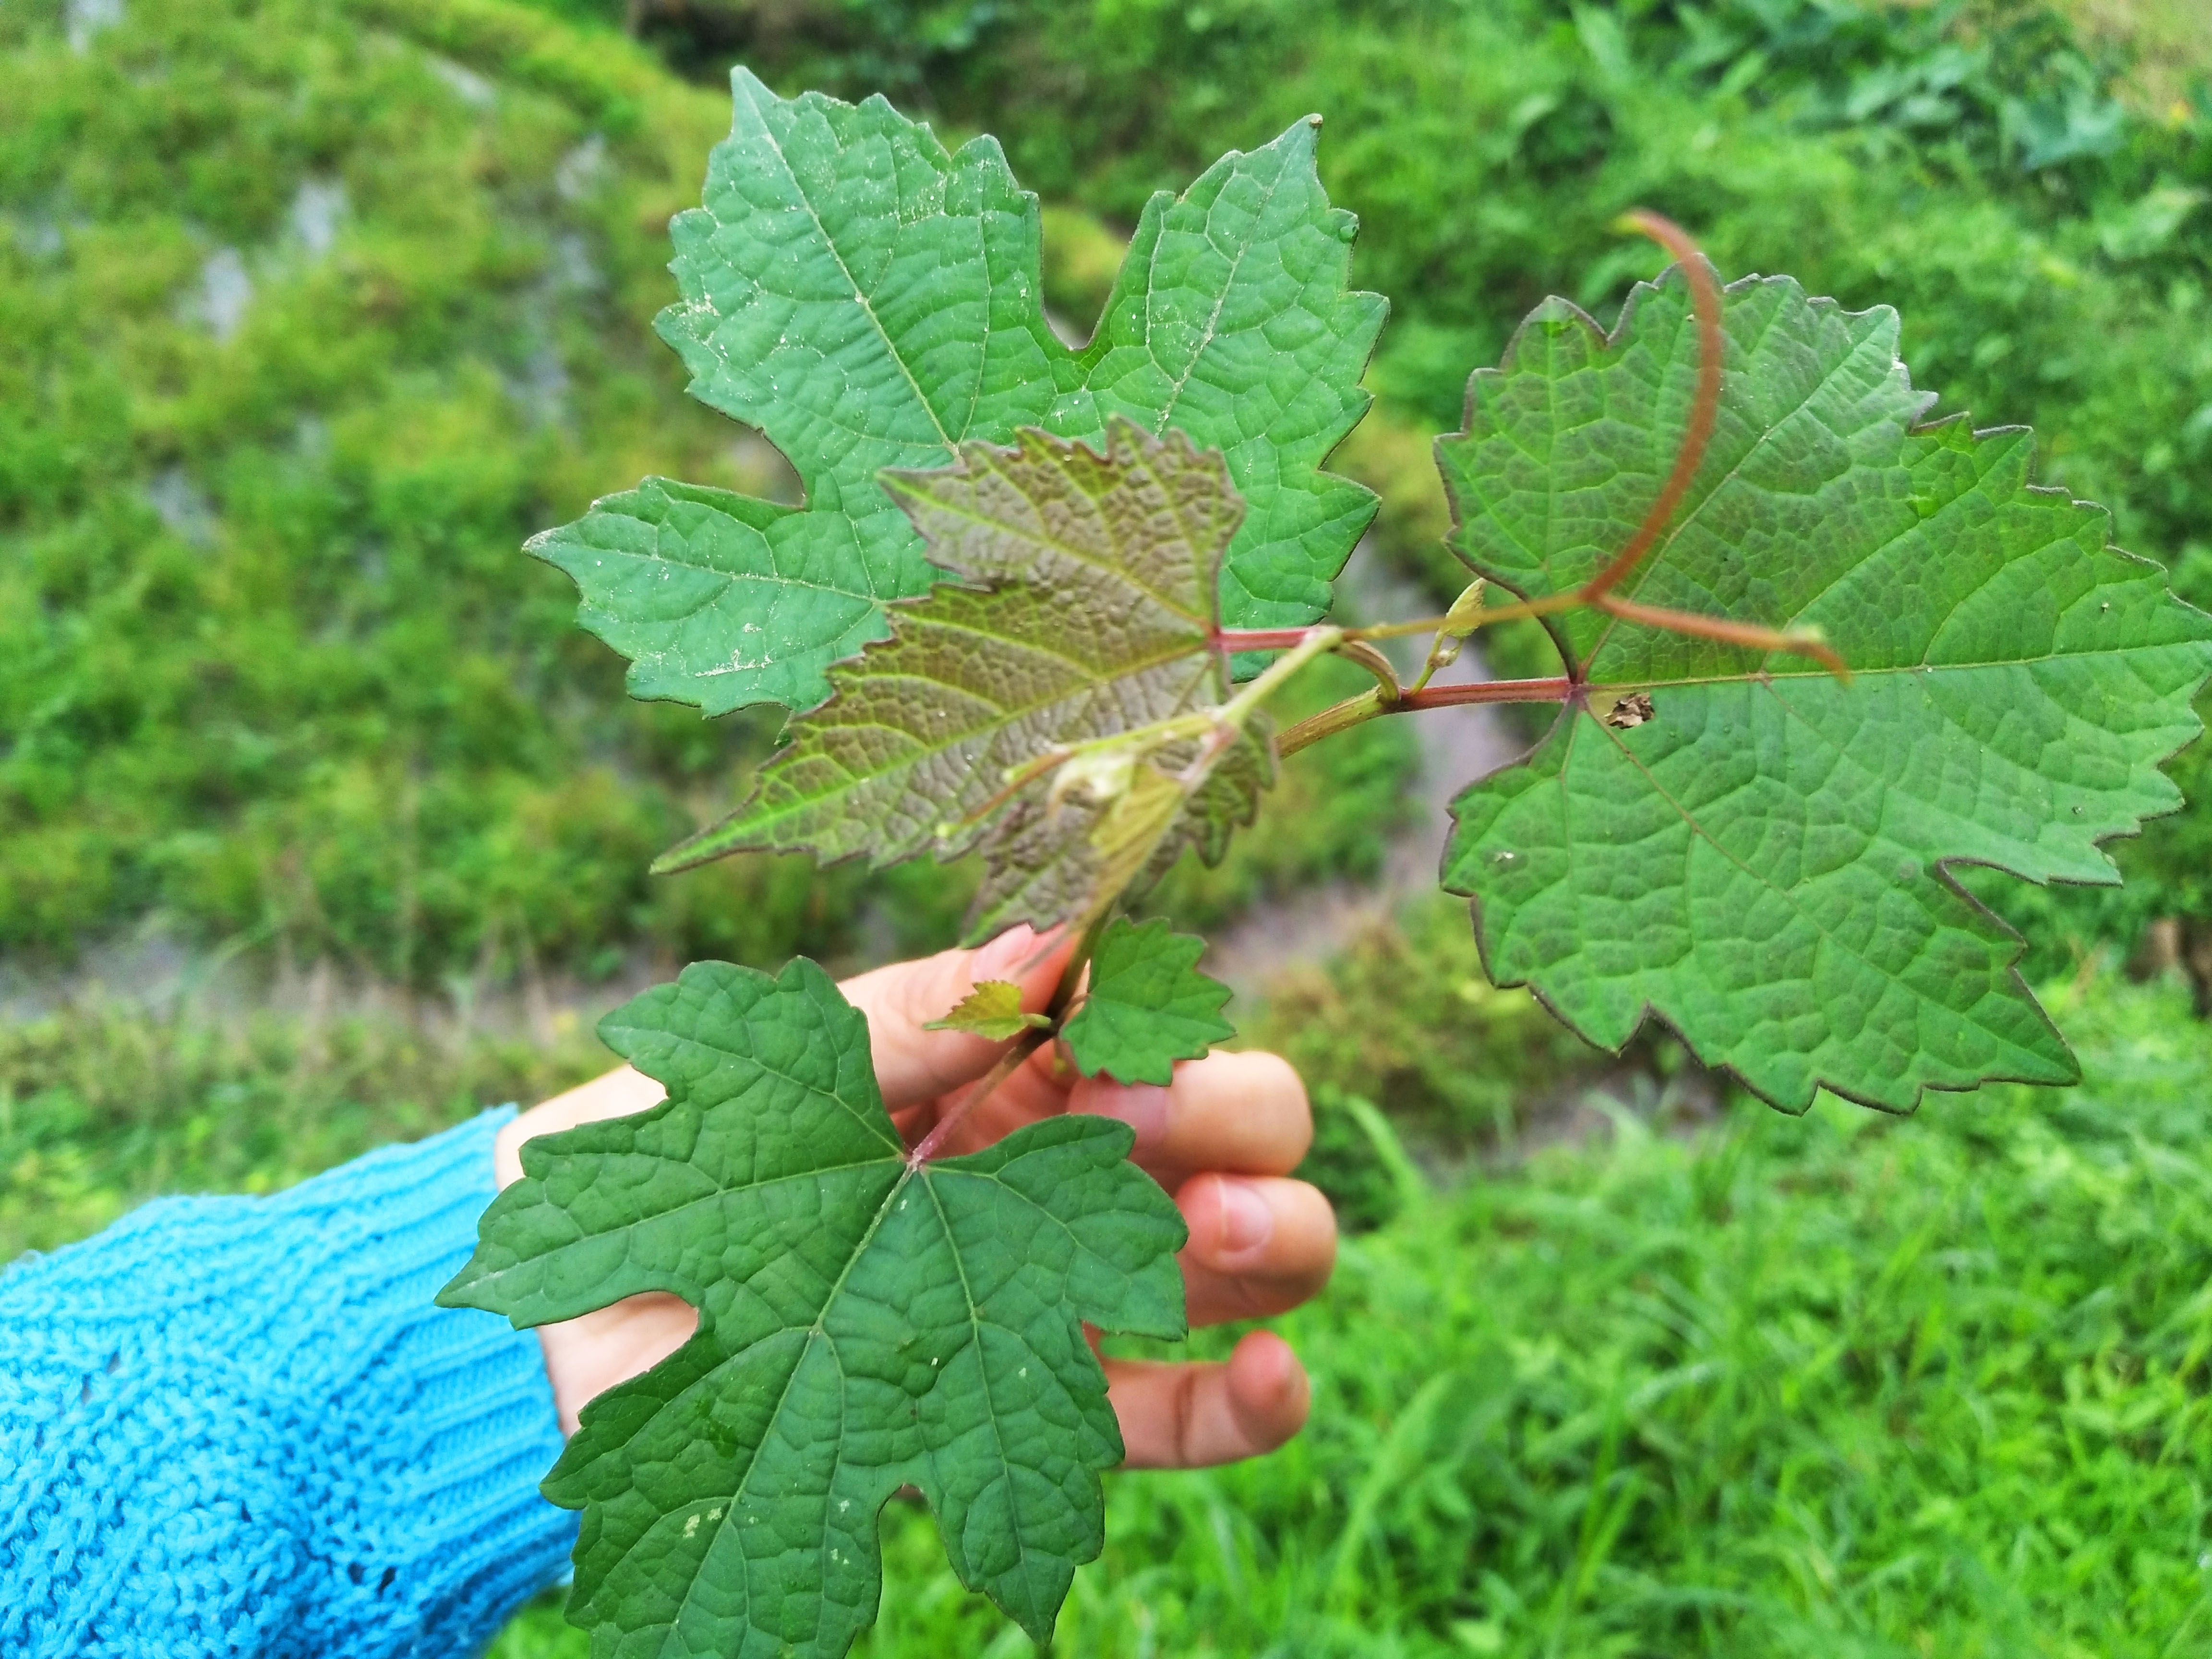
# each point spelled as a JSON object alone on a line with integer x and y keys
{"x": 1733, "y": 840}
{"x": 864, "y": 1324}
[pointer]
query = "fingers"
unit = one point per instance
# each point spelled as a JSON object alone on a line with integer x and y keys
{"x": 1242, "y": 1113}
{"x": 1189, "y": 1417}
{"x": 1259, "y": 1246}
{"x": 586, "y": 1356}
{"x": 914, "y": 1064}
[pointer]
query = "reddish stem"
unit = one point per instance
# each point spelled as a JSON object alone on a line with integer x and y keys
{"x": 1368, "y": 704}
{"x": 1027, "y": 1044}
{"x": 1063, "y": 994}
{"x": 1705, "y": 410}
{"x": 1443, "y": 696}
{"x": 1700, "y": 626}
{"x": 1260, "y": 639}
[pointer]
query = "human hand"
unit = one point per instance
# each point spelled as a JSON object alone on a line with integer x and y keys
{"x": 1221, "y": 1138}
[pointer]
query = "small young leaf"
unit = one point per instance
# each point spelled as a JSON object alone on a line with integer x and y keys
{"x": 863, "y": 1325}
{"x": 1102, "y": 621}
{"x": 1149, "y": 1005}
{"x": 992, "y": 1010}
{"x": 868, "y": 301}
{"x": 1737, "y": 842}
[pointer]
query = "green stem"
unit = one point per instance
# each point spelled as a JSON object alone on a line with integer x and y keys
{"x": 1337, "y": 717}
{"x": 1239, "y": 709}
{"x": 1397, "y": 630}
{"x": 1359, "y": 651}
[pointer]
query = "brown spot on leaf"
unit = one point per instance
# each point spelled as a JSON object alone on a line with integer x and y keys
{"x": 1633, "y": 709}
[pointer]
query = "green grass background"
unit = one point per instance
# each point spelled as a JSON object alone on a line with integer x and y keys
{"x": 313, "y": 312}
{"x": 1712, "y": 1381}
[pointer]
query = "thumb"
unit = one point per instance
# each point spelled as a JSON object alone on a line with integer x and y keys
{"x": 914, "y": 1064}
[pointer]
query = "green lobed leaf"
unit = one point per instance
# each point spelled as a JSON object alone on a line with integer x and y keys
{"x": 870, "y": 301}
{"x": 1757, "y": 854}
{"x": 863, "y": 1325}
{"x": 1101, "y": 620}
{"x": 1148, "y": 1004}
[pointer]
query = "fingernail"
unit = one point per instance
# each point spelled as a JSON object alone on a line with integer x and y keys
{"x": 1247, "y": 1222}
{"x": 1142, "y": 1106}
{"x": 1003, "y": 954}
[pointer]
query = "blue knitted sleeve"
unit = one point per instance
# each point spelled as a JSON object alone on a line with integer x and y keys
{"x": 240, "y": 1426}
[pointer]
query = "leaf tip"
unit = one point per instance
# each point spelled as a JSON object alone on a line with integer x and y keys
{"x": 457, "y": 1291}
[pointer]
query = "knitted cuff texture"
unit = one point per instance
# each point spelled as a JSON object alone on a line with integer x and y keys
{"x": 241, "y": 1426}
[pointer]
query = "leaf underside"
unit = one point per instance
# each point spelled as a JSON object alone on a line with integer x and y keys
{"x": 1148, "y": 1004}
{"x": 1067, "y": 864}
{"x": 1761, "y": 861}
{"x": 869, "y": 302}
{"x": 1096, "y": 617}
{"x": 863, "y": 1326}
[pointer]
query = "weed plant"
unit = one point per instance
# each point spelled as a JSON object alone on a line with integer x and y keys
{"x": 1975, "y": 163}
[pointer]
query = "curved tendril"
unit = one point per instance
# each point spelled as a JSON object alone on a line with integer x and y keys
{"x": 1705, "y": 408}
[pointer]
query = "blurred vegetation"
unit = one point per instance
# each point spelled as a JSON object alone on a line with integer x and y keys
{"x": 1404, "y": 1016}
{"x": 104, "y": 1105}
{"x": 323, "y": 315}
{"x": 314, "y": 326}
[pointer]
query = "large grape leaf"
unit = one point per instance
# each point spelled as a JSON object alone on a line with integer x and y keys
{"x": 863, "y": 1325}
{"x": 1757, "y": 853}
{"x": 1100, "y": 618}
{"x": 868, "y": 302}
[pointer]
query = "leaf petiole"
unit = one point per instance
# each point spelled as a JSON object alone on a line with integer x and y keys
{"x": 1021, "y": 1048}
{"x": 1055, "y": 1015}
{"x": 1317, "y": 641}
{"x": 1367, "y": 705}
